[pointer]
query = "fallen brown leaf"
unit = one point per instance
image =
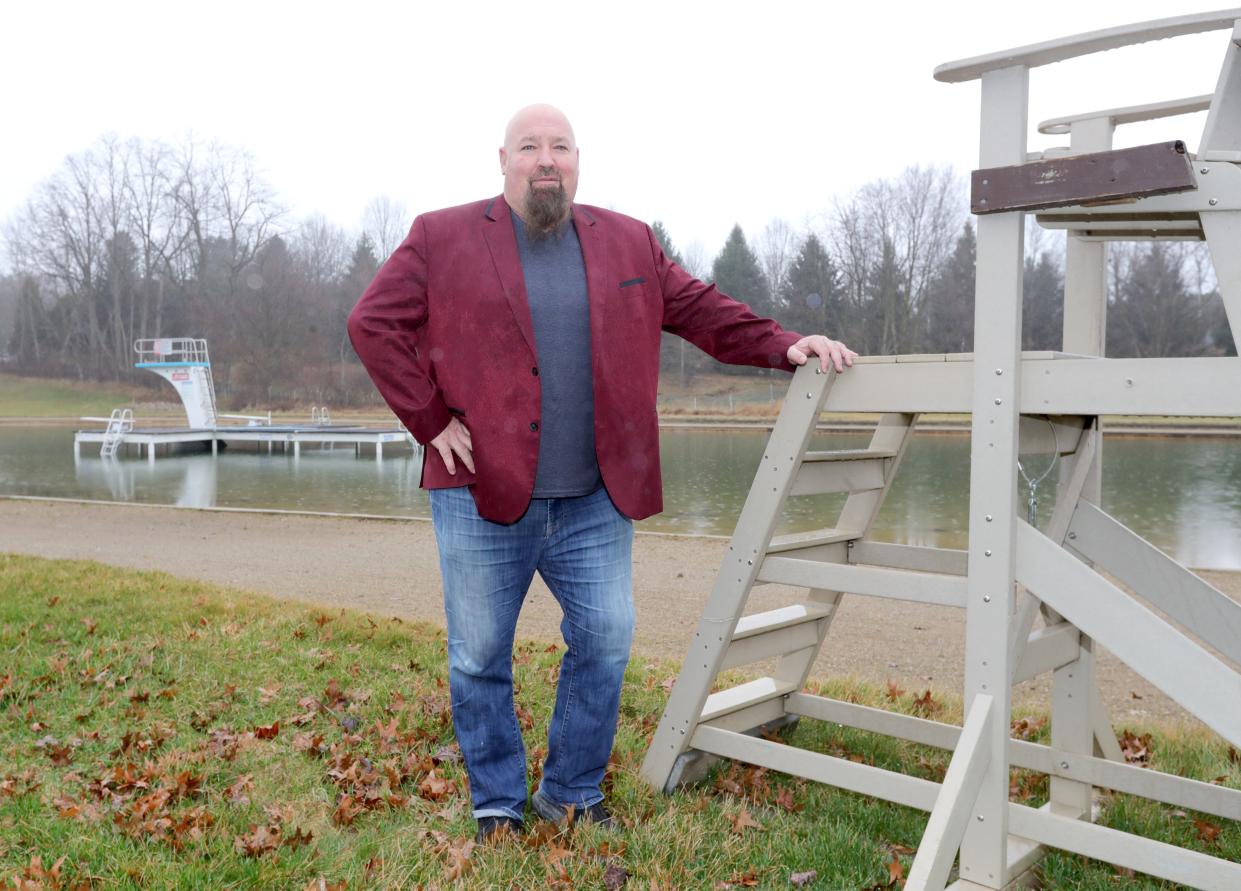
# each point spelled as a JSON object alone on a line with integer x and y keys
{"x": 299, "y": 838}
{"x": 1207, "y": 832}
{"x": 925, "y": 703}
{"x": 236, "y": 793}
{"x": 259, "y": 841}
{"x": 435, "y": 787}
{"x": 742, "y": 820}
{"x": 896, "y": 872}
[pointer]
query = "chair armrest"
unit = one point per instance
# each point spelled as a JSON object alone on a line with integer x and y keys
{"x": 1036, "y": 54}
{"x": 1130, "y": 114}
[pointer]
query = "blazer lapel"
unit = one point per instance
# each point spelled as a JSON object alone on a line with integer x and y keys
{"x": 502, "y": 242}
{"x": 595, "y": 258}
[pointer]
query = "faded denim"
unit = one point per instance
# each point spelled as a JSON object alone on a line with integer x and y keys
{"x": 582, "y": 547}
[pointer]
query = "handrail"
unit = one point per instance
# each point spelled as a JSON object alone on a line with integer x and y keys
{"x": 1035, "y": 54}
{"x": 1130, "y": 114}
{"x": 187, "y": 349}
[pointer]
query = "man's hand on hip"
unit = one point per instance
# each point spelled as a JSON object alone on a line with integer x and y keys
{"x": 455, "y": 439}
{"x": 826, "y": 349}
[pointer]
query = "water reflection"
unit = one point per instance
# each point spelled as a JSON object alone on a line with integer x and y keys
{"x": 192, "y": 483}
{"x": 1184, "y": 495}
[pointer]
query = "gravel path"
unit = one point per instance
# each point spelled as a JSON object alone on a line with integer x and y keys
{"x": 390, "y": 567}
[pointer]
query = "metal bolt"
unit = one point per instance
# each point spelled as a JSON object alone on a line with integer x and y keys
{"x": 1212, "y": 201}
{"x": 988, "y": 518}
{"x": 999, "y": 402}
{"x": 986, "y": 598}
{"x": 1072, "y": 536}
{"x": 1204, "y": 170}
{"x": 1064, "y": 765}
{"x": 749, "y": 563}
{"x": 809, "y": 395}
{"x": 818, "y": 371}
{"x": 987, "y": 553}
{"x": 980, "y": 818}
{"x": 999, "y": 371}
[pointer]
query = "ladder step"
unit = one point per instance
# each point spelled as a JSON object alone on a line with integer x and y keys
{"x": 743, "y": 696}
{"x": 853, "y": 471}
{"x": 875, "y": 581}
{"x": 777, "y": 632}
{"x": 811, "y": 539}
{"x": 847, "y": 455}
{"x": 785, "y": 616}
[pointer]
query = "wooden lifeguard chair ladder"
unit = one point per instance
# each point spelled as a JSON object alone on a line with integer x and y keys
{"x": 1012, "y": 571}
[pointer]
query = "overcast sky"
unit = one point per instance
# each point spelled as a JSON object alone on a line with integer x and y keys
{"x": 698, "y": 114}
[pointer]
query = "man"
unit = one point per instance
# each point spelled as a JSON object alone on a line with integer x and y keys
{"x": 519, "y": 337}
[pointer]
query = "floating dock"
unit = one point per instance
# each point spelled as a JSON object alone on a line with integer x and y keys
{"x": 287, "y": 438}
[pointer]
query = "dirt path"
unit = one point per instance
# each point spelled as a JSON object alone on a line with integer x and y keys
{"x": 391, "y": 568}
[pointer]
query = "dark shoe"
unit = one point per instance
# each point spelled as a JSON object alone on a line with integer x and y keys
{"x": 493, "y": 829}
{"x": 563, "y": 816}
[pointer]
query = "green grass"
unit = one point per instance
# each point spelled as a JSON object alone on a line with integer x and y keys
{"x": 137, "y": 743}
{"x": 34, "y": 397}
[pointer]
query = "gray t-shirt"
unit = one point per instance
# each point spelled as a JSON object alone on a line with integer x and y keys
{"x": 556, "y": 287}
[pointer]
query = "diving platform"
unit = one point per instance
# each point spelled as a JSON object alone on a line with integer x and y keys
{"x": 186, "y": 364}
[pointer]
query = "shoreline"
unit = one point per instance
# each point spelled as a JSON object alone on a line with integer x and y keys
{"x": 1226, "y": 427}
{"x": 391, "y": 568}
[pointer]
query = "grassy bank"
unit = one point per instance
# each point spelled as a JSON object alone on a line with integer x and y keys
{"x": 165, "y": 733}
{"x": 35, "y": 397}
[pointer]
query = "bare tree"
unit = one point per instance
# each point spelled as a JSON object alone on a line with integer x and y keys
{"x": 386, "y": 221}
{"x": 694, "y": 260}
{"x": 776, "y": 246}
{"x": 890, "y": 239}
{"x": 159, "y": 228}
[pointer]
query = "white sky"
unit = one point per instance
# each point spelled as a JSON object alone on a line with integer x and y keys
{"x": 699, "y": 114}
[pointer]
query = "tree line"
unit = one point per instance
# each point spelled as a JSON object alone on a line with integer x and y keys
{"x": 137, "y": 239}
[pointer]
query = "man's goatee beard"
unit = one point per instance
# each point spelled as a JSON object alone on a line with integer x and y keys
{"x": 546, "y": 209}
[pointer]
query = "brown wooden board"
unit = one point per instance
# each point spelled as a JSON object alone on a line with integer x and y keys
{"x": 1131, "y": 173}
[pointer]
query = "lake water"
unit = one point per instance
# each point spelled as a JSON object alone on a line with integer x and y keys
{"x": 1181, "y": 493}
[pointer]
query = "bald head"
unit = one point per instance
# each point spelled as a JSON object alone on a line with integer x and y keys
{"x": 539, "y": 162}
{"x": 539, "y": 114}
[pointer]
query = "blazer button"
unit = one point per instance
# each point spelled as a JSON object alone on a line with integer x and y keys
{"x": 534, "y": 425}
{"x": 534, "y": 371}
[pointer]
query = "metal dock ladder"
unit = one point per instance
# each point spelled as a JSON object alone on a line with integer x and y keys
{"x": 120, "y": 423}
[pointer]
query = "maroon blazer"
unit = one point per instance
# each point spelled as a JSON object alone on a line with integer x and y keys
{"x": 445, "y": 329}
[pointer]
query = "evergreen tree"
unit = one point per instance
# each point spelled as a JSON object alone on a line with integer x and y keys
{"x": 665, "y": 243}
{"x": 1219, "y": 332}
{"x": 1153, "y": 313}
{"x": 676, "y": 356}
{"x": 1042, "y": 305}
{"x": 362, "y": 266}
{"x": 812, "y": 292}
{"x": 736, "y": 272}
{"x": 887, "y": 309}
{"x": 947, "y": 312}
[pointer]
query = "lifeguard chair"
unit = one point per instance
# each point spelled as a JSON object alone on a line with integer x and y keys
{"x": 1174, "y": 629}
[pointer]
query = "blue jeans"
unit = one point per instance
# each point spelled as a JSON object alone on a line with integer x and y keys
{"x": 582, "y": 547}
